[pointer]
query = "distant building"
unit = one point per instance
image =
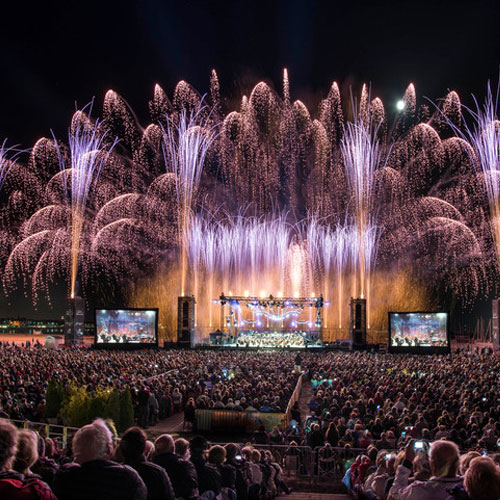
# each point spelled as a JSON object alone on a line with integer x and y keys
{"x": 38, "y": 326}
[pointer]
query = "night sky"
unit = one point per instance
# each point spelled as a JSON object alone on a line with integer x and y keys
{"x": 57, "y": 53}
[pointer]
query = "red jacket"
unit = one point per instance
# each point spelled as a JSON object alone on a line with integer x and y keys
{"x": 15, "y": 486}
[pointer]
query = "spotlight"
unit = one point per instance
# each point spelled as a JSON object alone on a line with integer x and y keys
{"x": 400, "y": 105}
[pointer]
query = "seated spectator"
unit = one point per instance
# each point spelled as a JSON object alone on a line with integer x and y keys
{"x": 45, "y": 467}
{"x": 149, "y": 450}
{"x": 482, "y": 479}
{"x": 466, "y": 459}
{"x": 444, "y": 462}
{"x": 94, "y": 475}
{"x": 209, "y": 479}
{"x": 14, "y": 485}
{"x": 236, "y": 460}
{"x": 132, "y": 447}
{"x": 182, "y": 448}
{"x": 26, "y": 453}
{"x": 216, "y": 458}
{"x": 181, "y": 472}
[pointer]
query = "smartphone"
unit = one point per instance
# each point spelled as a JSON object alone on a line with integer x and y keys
{"x": 403, "y": 434}
{"x": 418, "y": 445}
{"x": 238, "y": 457}
{"x": 484, "y": 400}
{"x": 378, "y": 407}
{"x": 388, "y": 456}
{"x": 484, "y": 453}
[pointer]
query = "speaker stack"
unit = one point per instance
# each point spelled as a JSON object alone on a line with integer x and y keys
{"x": 185, "y": 321}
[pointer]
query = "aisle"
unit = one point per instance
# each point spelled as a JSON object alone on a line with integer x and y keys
{"x": 305, "y": 397}
{"x": 170, "y": 425}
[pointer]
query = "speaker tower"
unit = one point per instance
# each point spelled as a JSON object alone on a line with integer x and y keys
{"x": 185, "y": 321}
{"x": 358, "y": 324}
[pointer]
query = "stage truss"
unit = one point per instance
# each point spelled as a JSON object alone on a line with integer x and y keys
{"x": 271, "y": 314}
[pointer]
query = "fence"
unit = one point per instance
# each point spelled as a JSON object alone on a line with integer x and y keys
{"x": 61, "y": 434}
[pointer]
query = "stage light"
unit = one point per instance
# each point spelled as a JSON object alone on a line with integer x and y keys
{"x": 313, "y": 295}
{"x": 246, "y": 293}
{"x": 262, "y": 294}
{"x": 296, "y": 295}
{"x": 280, "y": 295}
{"x": 230, "y": 293}
{"x": 400, "y": 105}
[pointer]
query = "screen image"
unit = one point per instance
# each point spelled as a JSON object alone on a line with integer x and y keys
{"x": 126, "y": 326}
{"x": 418, "y": 330}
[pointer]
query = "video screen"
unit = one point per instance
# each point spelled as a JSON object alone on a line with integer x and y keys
{"x": 418, "y": 330}
{"x": 126, "y": 326}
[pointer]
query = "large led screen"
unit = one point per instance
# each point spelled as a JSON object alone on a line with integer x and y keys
{"x": 126, "y": 326}
{"x": 413, "y": 331}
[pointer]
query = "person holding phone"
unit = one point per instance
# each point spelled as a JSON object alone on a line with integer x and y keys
{"x": 444, "y": 459}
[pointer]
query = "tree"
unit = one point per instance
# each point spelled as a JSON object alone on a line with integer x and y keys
{"x": 54, "y": 397}
{"x": 126, "y": 410}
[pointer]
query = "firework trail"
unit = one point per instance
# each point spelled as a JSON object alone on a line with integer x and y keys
{"x": 484, "y": 137}
{"x": 361, "y": 153}
{"x": 185, "y": 145}
{"x": 89, "y": 151}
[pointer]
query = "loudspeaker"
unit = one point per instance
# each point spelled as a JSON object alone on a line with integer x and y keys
{"x": 74, "y": 316}
{"x": 495, "y": 325}
{"x": 358, "y": 323}
{"x": 185, "y": 321}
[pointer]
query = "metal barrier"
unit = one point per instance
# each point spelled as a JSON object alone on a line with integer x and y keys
{"x": 213, "y": 420}
{"x": 160, "y": 375}
{"x": 59, "y": 433}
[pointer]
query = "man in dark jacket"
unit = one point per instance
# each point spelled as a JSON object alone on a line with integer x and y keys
{"x": 94, "y": 475}
{"x": 132, "y": 446}
{"x": 209, "y": 478}
{"x": 181, "y": 472}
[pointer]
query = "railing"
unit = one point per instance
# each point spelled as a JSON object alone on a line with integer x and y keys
{"x": 59, "y": 433}
{"x": 160, "y": 375}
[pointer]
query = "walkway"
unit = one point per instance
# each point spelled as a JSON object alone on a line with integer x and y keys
{"x": 305, "y": 397}
{"x": 170, "y": 425}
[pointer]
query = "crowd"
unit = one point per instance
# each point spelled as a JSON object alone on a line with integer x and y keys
{"x": 162, "y": 382}
{"x": 395, "y": 422}
{"x": 103, "y": 466}
{"x": 99, "y": 465}
{"x": 364, "y": 399}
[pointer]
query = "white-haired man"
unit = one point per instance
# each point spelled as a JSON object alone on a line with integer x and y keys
{"x": 94, "y": 475}
{"x": 444, "y": 459}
